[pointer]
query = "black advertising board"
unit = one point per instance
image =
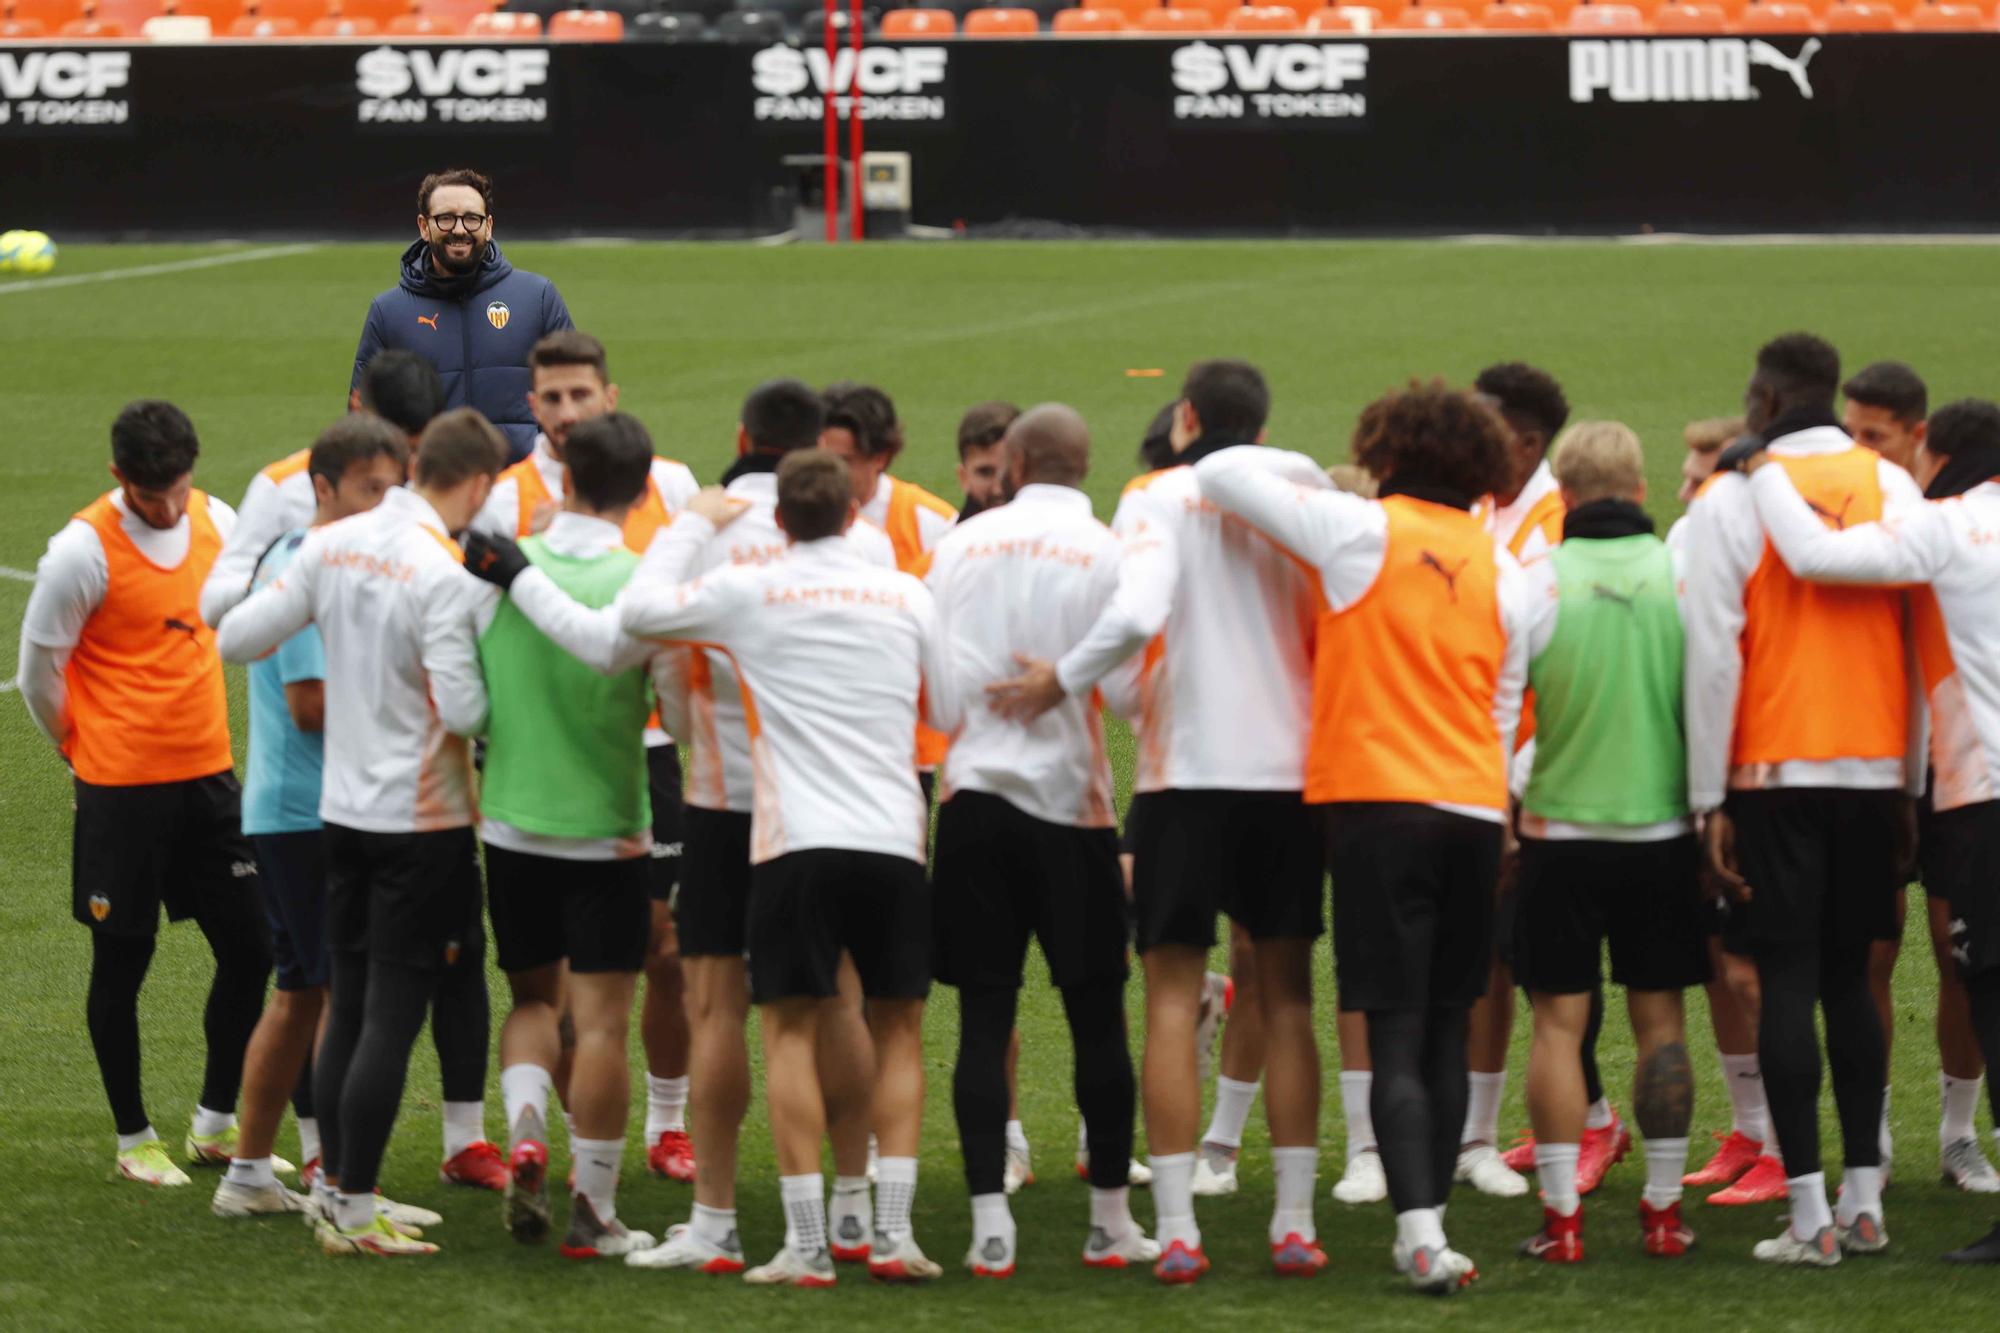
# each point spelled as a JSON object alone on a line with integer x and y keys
{"x": 1532, "y": 134}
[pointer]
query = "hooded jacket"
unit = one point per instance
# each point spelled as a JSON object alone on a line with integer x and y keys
{"x": 476, "y": 330}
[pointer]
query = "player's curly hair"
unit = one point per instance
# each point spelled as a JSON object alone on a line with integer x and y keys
{"x": 1434, "y": 435}
{"x": 867, "y": 412}
{"x": 1800, "y": 366}
{"x": 1526, "y": 392}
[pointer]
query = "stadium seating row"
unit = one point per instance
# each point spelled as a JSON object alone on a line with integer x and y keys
{"x": 617, "y": 20}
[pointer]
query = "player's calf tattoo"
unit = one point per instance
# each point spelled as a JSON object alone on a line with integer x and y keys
{"x": 1663, "y": 1094}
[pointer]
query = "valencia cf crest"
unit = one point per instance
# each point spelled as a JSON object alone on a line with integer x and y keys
{"x": 100, "y": 907}
{"x": 497, "y": 314}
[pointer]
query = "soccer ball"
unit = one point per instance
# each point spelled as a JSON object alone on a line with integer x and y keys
{"x": 27, "y": 252}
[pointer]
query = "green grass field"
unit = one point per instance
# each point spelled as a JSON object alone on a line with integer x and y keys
{"x": 258, "y": 353}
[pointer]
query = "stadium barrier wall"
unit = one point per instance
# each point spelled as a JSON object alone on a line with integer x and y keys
{"x": 1533, "y": 134}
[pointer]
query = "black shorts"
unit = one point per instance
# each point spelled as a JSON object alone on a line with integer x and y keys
{"x": 1413, "y": 892}
{"x": 663, "y": 781}
{"x": 596, "y": 914}
{"x": 712, "y": 906}
{"x": 174, "y": 844}
{"x": 1642, "y": 897}
{"x": 1002, "y": 874}
{"x": 293, "y": 869}
{"x": 1256, "y": 855}
{"x": 809, "y": 907}
{"x": 1962, "y": 864}
{"x": 409, "y": 898}
{"x": 1821, "y": 866}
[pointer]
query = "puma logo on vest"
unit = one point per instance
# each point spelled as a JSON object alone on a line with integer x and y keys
{"x": 1450, "y": 576}
{"x": 1628, "y": 600}
{"x": 1836, "y": 517}
{"x": 183, "y": 627}
{"x": 430, "y": 319}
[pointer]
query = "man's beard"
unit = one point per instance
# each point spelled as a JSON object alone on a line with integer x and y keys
{"x": 973, "y": 505}
{"x": 446, "y": 264}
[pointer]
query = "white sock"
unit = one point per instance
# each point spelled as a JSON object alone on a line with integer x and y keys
{"x": 1810, "y": 1215}
{"x": 992, "y": 1217}
{"x": 850, "y": 1199}
{"x": 1173, "y": 1199}
{"x": 127, "y": 1142}
{"x": 207, "y": 1122}
{"x": 1356, "y": 1085}
{"x": 1295, "y": 1169}
{"x": 1232, "y": 1111}
{"x": 595, "y": 1162}
{"x": 1960, "y": 1099}
{"x": 1017, "y": 1137}
{"x": 352, "y": 1212}
{"x": 1749, "y": 1114}
{"x": 1082, "y": 1139}
{"x": 252, "y": 1171}
{"x": 1555, "y": 1168}
{"x": 525, "y": 1088}
{"x": 308, "y": 1139}
{"x": 1599, "y": 1116}
{"x": 1666, "y": 1163}
{"x": 895, "y": 1192}
{"x": 805, "y": 1212}
{"x": 1860, "y": 1192}
{"x": 464, "y": 1125}
{"x": 666, "y": 1105}
{"x": 1888, "y": 1143}
{"x": 326, "y": 1196}
{"x": 717, "y": 1226}
{"x": 1420, "y": 1227}
{"x": 1482, "y": 1108}
{"x": 1111, "y": 1210}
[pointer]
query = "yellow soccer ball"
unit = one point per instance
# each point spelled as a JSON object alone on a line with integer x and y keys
{"x": 33, "y": 252}
{"x": 10, "y": 241}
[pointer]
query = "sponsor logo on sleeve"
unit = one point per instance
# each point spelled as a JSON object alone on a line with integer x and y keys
{"x": 464, "y": 87}
{"x": 65, "y": 90}
{"x": 904, "y": 83}
{"x": 1686, "y": 69}
{"x": 1264, "y": 81}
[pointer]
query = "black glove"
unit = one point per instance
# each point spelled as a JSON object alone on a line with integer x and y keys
{"x": 494, "y": 559}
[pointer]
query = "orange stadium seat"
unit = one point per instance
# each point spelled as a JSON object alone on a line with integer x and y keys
{"x": 302, "y": 12}
{"x": 1690, "y": 18}
{"x": 51, "y": 14}
{"x": 1606, "y": 18}
{"x": 1088, "y": 22}
{"x": 462, "y": 10}
{"x": 1001, "y": 23}
{"x": 1863, "y": 16}
{"x": 427, "y": 25}
{"x": 1778, "y": 16}
{"x": 219, "y": 13}
{"x": 1432, "y": 18}
{"x": 1131, "y": 9}
{"x": 1262, "y": 18}
{"x": 1946, "y": 17}
{"x": 92, "y": 30}
{"x": 1172, "y": 18}
{"x": 1337, "y": 20}
{"x": 334, "y": 26}
{"x": 379, "y": 10}
{"x": 1903, "y": 7}
{"x": 126, "y": 15}
{"x": 251, "y": 25}
{"x": 1217, "y": 10}
{"x": 919, "y": 23}
{"x": 1300, "y": 8}
{"x": 22, "y": 30}
{"x": 587, "y": 25}
{"x": 503, "y": 26}
{"x": 1517, "y": 18}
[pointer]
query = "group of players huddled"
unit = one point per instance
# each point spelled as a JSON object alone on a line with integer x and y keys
{"x": 1462, "y": 675}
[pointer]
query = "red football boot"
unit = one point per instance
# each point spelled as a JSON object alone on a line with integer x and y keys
{"x": 1600, "y": 1151}
{"x": 672, "y": 1156}
{"x": 1520, "y": 1159}
{"x": 1735, "y": 1153}
{"x": 478, "y": 1165}
{"x": 1764, "y": 1182}
{"x": 1666, "y": 1236}
{"x": 1560, "y": 1241}
{"x": 1295, "y": 1256}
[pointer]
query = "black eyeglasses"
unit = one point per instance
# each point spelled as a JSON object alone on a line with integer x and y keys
{"x": 447, "y": 221}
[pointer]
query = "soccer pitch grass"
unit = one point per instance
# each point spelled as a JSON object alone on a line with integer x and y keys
{"x": 258, "y": 353}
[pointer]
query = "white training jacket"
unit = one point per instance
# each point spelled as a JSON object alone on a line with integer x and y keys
{"x": 1722, "y": 543}
{"x": 270, "y": 509}
{"x": 831, "y": 652}
{"x": 500, "y": 515}
{"x": 1225, "y": 699}
{"x": 1029, "y": 577}
{"x": 397, "y": 613}
{"x": 1345, "y": 539}
{"x": 1954, "y": 546}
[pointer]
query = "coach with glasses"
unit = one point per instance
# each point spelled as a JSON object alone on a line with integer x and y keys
{"x": 462, "y": 307}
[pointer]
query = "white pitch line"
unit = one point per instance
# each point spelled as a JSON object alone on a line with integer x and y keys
{"x": 18, "y": 575}
{"x": 8, "y": 687}
{"x": 149, "y": 270}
